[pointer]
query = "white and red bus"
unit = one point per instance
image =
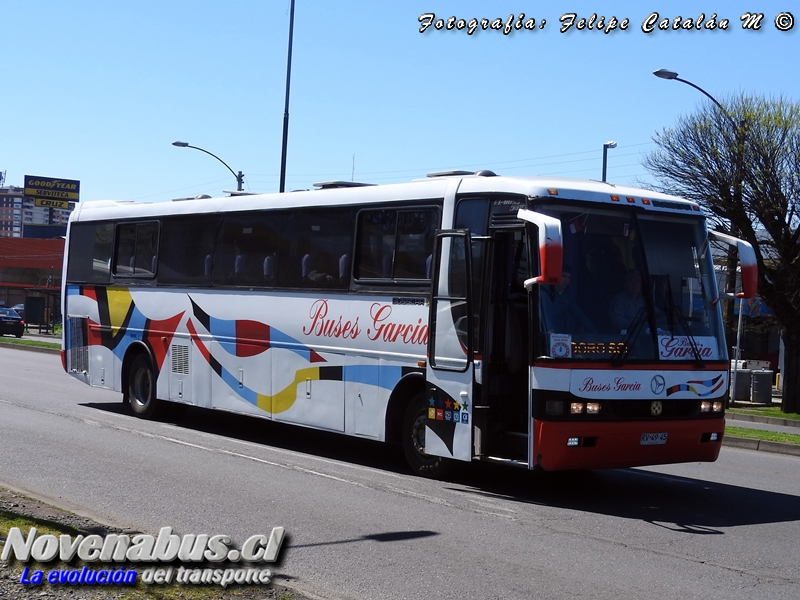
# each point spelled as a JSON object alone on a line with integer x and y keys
{"x": 465, "y": 316}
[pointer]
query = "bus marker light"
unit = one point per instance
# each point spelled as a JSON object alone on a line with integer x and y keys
{"x": 573, "y": 442}
{"x": 576, "y": 408}
{"x": 645, "y": 201}
{"x": 615, "y": 198}
{"x": 552, "y": 192}
{"x": 630, "y": 200}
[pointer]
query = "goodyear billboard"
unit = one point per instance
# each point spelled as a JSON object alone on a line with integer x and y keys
{"x": 51, "y": 192}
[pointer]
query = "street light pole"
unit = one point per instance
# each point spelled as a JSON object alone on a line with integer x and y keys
{"x": 667, "y": 74}
{"x": 606, "y": 146}
{"x": 282, "y": 187}
{"x": 737, "y": 191}
{"x": 239, "y": 176}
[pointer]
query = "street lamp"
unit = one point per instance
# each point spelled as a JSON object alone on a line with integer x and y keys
{"x": 239, "y": 176}
{"x": 282, "y": 187}
{"x": 606, "y": 146}
{"x": 667, "y": 74}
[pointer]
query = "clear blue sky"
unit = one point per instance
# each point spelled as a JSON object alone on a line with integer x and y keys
{"x": 98, "y": 91}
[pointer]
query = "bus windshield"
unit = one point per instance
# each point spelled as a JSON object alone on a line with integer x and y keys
{"x": 633, "y": 287}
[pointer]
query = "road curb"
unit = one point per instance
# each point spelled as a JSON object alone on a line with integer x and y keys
{"x": 765, "y": 420}
{"x": 761, "y": 445}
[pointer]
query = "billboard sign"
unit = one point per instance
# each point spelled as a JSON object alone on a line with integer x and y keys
{"x": 51, "y": 188}
{"x": 48, "y": 203}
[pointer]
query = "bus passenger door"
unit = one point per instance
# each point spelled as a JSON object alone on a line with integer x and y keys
{"x": 450, "y": 367}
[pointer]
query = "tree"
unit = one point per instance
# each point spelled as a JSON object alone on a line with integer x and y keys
{"x": 741, "y": 163}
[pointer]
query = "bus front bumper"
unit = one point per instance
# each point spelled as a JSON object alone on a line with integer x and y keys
{"x": 611, "y": 445}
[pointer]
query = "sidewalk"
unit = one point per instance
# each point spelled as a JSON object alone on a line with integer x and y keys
{"x": 34, "y": 334}
{"x": 765, "y": 424}
{"x": 12, "y": 342}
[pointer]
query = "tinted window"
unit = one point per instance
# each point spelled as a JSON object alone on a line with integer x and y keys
{"x": 186, "y": 254}
{"x": 247, "y": 250}
{"x": 136, "y": 249}
{"x": 395, "y": 244}
{"x": 315, "y": 248}
{"x": 90, "y": 247}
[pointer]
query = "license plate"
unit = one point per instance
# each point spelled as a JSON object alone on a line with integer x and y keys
{"x": 653, "y": 439}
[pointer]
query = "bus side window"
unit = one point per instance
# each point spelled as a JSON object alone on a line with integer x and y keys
{"x": 186, "y": 250}
{"x": 473, "y": 214}
{"x": 395, "y": 244}
{"x": 246, "y": 249}
{"x": 313, "y": 246}
{"x": 125, "y": 249}
{"x": 90, "y": 249}
{"x": 136, "y": 249}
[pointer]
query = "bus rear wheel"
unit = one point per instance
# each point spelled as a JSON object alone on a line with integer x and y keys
{"x": 141, "y": 393}
{"x": 416, "y": 415}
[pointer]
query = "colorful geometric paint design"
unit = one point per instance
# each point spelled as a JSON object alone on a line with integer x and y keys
{"x": 251, "y": 338}
{"x": 122, "y": 323}
{"x": 715, "y": 384}
{"x": 245, "y": 338}
{"x": 276, "y": 403}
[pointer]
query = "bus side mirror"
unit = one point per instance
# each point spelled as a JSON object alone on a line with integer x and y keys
{"x": 550, "y": 247}
{"x": 747, "y": 263}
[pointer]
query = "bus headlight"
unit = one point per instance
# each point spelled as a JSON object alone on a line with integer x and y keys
{"x": 717, "y": 407}
{"x": 592, "y": 408}
{"x": 576, "y": 408}
{"x": 705, "y": 407}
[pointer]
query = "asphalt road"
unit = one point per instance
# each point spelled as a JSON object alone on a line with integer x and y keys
{"x": 360, "y": 527}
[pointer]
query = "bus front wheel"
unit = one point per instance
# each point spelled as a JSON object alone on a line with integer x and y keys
{"x": 416, "y": 415}
{"x": 141, "y": 393}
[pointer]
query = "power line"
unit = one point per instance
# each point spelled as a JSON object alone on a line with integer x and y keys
{"x": 470, "y": 165}
{"x": 529, "y": 163}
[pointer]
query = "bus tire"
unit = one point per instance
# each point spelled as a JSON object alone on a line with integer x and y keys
{"x": 413, "y": 435}
{"x": 141, "y": 392}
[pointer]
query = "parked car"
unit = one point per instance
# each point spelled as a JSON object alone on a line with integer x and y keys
{"x": 11, "y": 322}
{"x": 20, "y": 308}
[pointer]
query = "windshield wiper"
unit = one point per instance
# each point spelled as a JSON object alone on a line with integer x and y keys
{"x": 631, "y": 334}
{"x": 675, "y": 311}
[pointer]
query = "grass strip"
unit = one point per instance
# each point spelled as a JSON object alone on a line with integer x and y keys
{"x": 761, "y": 434}
{"x": 31, "y": 343}
{"x": 766, "y": 411}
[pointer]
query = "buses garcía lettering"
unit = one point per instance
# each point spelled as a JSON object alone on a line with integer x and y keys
{"x": 388, "y": 331}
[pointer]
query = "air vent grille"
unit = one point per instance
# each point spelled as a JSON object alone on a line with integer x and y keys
{"x": 180, "y": 360}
